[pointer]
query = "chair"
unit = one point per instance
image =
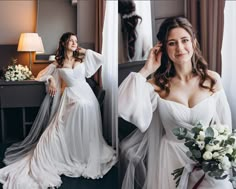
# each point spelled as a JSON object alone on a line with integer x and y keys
{"x": 98, "y": 91}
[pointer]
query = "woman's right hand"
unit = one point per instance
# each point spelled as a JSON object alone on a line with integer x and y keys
{"x": 52, "y": 87}
{"x": 153, "y": 62}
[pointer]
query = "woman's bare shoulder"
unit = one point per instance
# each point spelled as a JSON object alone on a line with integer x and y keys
{"x": 218, "y": 85}
{"x": 157, "y": 89}
{"x": 152, "y": 82}
{"x": 155, "y": 86}
{"x": 55, "y": 63}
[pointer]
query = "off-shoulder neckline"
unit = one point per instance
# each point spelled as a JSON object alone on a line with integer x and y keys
{"x": 77, "y": 65}
{"x": 195, "y": 105}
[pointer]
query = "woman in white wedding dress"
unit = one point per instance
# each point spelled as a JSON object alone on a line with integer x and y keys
{"x": 181, "y": 92}
{"x": 72, "y": 143}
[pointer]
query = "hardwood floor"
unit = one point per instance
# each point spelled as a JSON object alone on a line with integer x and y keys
{"x": 109, "y": 181}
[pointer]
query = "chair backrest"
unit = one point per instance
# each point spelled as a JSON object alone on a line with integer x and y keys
{"x": 98, "y": 91}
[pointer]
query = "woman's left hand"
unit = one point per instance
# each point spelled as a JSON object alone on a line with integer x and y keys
{"x": 52, "y": 89}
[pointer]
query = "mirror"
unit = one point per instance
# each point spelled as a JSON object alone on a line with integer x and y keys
{"x": 134, "y": 30}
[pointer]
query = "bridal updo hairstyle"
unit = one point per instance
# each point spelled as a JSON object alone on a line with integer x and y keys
{"x": 166, "y": 71}
{"x": 130, "y": 19}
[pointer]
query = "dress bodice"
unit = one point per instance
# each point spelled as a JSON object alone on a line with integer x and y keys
{"x": 174, "y": 114}
{"x": 73, "y": 76}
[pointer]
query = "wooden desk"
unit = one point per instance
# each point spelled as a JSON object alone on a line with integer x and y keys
{"x": 19, "y": 94}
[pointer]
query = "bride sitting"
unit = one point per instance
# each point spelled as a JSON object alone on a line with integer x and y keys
{"x": 66, "y": 137}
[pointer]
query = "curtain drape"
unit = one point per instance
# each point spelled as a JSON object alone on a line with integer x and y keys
{"x": 229, "y": 57}
{"x": 207, "y": 17}
{"x": 100, "y": 11}
{"x": 110, "y": 71}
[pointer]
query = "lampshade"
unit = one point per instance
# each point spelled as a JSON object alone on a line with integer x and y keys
{"x": 30, "y": 42}
{"x": 40, "y": 48}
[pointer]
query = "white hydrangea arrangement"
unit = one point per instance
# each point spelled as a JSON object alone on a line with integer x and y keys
{"x": 18, "y": 72}
{"x": 212, "y": 147}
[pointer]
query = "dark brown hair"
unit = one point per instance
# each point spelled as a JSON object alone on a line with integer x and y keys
{"x": 127, "y": 7}
{"x": 166, "y": 71}
{"x": 60, "y": 53}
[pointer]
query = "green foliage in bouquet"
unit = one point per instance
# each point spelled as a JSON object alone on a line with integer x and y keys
{"x": 212, "y": 147}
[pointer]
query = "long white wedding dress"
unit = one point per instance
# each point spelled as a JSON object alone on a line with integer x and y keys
{"x": 72, "y": 144}
{"x": 151, "y": 153}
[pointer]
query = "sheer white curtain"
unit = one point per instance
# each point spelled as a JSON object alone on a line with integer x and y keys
{"x": 110, "y": 70}
{"x": 229, "y": 56}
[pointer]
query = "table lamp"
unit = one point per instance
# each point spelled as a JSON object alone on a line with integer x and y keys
{"x": 30, "y": 42}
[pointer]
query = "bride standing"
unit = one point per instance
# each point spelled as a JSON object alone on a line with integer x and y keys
{"x": 72, "y": 143}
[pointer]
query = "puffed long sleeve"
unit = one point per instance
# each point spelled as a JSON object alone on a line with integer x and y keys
{"x": 93, "y": 61}
{"x": 137, "y": 101}
{"x": 223, "y": 109}
{"x": 46, "y": 73}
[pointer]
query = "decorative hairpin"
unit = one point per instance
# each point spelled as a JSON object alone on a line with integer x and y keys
{"x": 129, "y": 15}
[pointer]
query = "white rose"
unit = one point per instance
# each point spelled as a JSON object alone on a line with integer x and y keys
{"x": 216, "y": 155}
{"x": 207, "y": 155}
{"x": 227, "y": 130}
{"x": 223, "y": 137}
{"x": 209, "y": 148}
{"x": 225, "y": 163}
{"x": 219, "y": 127}
{"x": 229, "y": 149}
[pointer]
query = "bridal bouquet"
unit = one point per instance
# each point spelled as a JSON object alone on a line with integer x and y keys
{"x": 212, "y": 148}
{"x": 18, "y": 72}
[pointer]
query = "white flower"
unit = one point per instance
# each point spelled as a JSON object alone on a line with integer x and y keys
{"x": 220, "y": 138}
{"x": 216, "y": 133}
{"x": 219, "y": 127}
{"x": 201, "y": 136}
{"x": 201, "y": 144}
{"x": 207, "y": 155}
{"x": 227, "y": 130}
{"x": 225, "y": 163}
{"x": 17, "y": 73}
{"x": 209, "y": 148}
{"x": 229, "y": 149}
{"x": 216, "y": 155}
